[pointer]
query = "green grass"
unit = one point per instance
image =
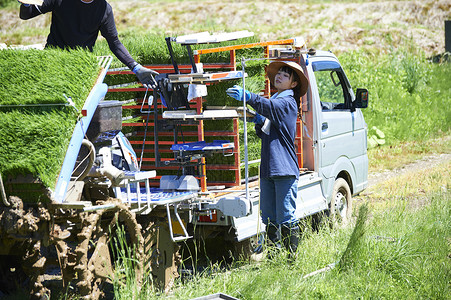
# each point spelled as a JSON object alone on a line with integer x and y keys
{"x": 124, "y": 278}
{"x": 406, "y": 261}
{"x": 409, "y": 96}
{"x": 402, "y": 153}
{"x": 399, "y": 251}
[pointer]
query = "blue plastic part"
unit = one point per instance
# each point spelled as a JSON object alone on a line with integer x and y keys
{"x": 106, "y": 136}
{"x": 163, "y": 102}
{"x": 136, "y": 68}
{"x": 97, "y": 93}
{"x": 200, "y": 146}
{"x": 156, "y": 194}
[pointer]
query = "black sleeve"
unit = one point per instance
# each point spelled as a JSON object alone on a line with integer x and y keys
{"x": 109, "y": 32}
{"x": 29, "y": 12}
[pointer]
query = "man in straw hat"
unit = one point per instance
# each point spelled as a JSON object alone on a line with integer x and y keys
{"x": 279, "y": 170}
{"x": 77, "y": 23}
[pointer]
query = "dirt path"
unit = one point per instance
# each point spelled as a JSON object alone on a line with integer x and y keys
{"x": 429, "y": 161}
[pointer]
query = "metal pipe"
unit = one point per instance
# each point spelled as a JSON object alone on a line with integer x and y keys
{"x": 171, "y": 53}
{"x": 155, "y": 130}
{"x": 33, "y": 105}
{"x": 191, "y": 59}
{"x": 246, "y": 163}
{"x": 252, "y": 162}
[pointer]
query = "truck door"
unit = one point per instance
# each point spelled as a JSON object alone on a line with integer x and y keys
{"x": 342, "y": 138}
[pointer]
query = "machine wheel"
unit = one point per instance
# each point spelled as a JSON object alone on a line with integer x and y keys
{"x": 341, "y": 203}
{"x": 161, "y": 254}
{"x": 97, "y": 249}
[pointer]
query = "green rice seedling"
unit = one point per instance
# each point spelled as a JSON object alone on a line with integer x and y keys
{"x": 44, "y": 77}
{"x": 34, "y": 142}
{"x": 35, "y": 124}
{"x": 152, "y": 49}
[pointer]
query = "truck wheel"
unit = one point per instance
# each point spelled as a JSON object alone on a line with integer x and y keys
{"x": 341, "y": 203}
{"x": 98, "y": 248}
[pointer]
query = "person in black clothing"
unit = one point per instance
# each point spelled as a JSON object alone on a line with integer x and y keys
{"x": 76, "y": 23}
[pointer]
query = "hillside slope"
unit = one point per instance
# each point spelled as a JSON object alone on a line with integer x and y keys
{"x": 338, "y": 26}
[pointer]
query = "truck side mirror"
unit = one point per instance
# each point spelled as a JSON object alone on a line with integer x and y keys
{"x": 361, "y": 100}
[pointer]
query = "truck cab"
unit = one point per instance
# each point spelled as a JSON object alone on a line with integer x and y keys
{"x": 334, "y": 139}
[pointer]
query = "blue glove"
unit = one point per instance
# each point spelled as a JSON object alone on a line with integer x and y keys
{"x": 236, "y": 92}
{"x": 259, "y": 119}
{"x": 145, "y": 75}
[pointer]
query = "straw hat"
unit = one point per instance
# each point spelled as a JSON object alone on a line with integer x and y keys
{"x": 274, "y": 67}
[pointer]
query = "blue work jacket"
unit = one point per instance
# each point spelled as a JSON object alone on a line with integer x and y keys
{"x": 278, "y": 154}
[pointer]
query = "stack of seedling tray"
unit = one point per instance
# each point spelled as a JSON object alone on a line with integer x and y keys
{"x": 36, "y": 122}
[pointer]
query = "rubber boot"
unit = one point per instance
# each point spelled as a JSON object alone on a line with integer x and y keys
{"x": 290, "y": 238}
{"x": 273, "y": 236}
